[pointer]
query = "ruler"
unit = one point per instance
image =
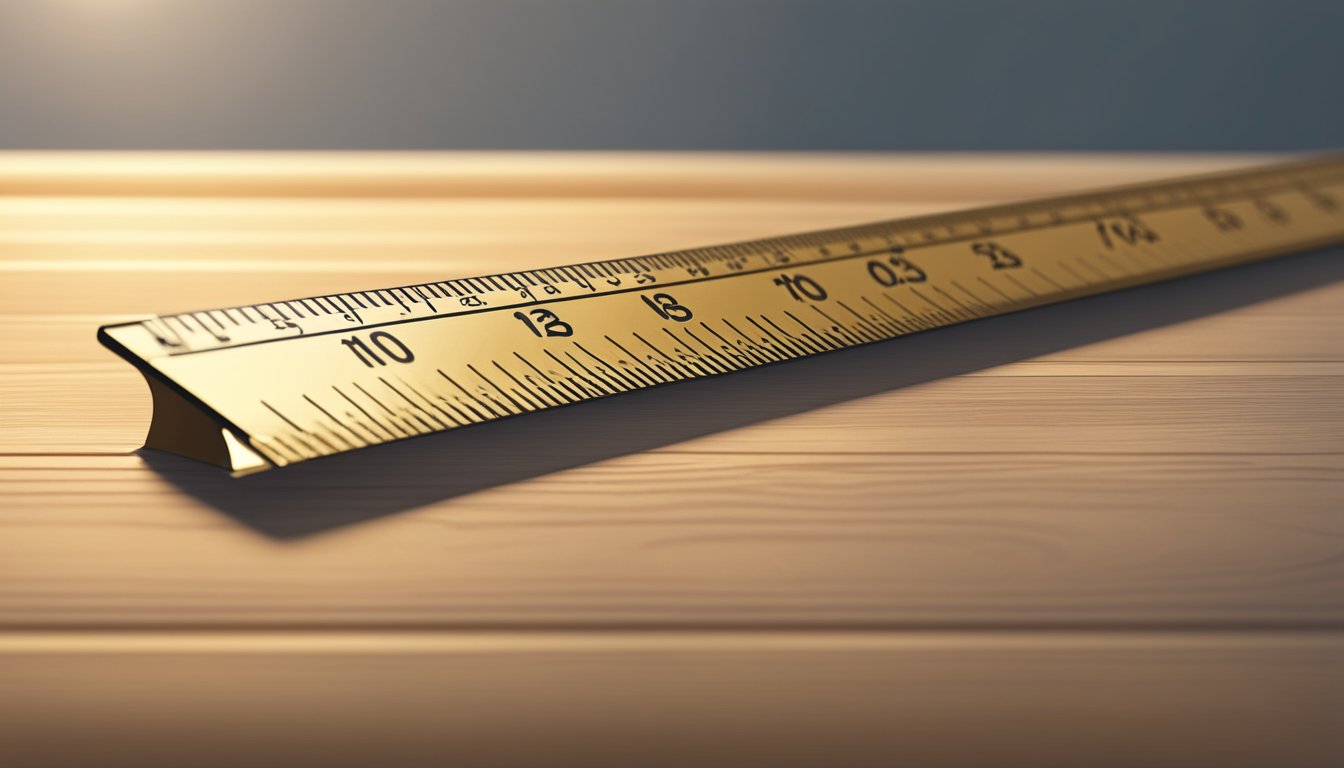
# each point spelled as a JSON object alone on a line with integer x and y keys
{"x": 257, "y": 386}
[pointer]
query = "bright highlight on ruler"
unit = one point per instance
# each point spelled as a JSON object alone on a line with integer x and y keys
{"x": 256, "y": 386}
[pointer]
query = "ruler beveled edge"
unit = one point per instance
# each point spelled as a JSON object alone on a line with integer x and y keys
{"x": 185, "y": 425}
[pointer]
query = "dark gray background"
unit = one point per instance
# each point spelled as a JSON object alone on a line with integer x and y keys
{"x": 686, "y": 74}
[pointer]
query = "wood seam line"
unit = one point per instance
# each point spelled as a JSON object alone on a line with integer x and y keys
{"x": 581, "y": 642}
{"x": 1327, "y": 626}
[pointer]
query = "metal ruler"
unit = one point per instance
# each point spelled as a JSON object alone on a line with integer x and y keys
{"x": 268, "y": 385}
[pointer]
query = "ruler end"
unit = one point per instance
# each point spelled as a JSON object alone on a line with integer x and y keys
{"x": 181, "y": 428}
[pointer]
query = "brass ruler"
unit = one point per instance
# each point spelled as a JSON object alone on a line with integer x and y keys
{"x": 267, "y": 385}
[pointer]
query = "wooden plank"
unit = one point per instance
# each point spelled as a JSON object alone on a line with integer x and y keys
{"x": 1103, "y": 533}
{"x": 1233, "y": 369}
{"x": 582, "y": 174}
{"x": 468, "y": 532}
{"x": 684, "y": 699}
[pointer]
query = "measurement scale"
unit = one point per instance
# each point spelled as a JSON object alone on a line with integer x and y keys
{"x": 267, "y": 385}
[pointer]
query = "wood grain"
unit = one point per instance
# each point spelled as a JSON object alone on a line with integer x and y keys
{"x": 781, "y": 699}
{"x": 1107, "y": 532}
{"x": 917, "y": 539}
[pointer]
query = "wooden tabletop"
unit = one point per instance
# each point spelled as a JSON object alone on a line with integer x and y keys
{"x": 1109, "y": 532}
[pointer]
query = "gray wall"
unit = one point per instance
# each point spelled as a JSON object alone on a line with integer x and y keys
{"x": 717, "y": 74}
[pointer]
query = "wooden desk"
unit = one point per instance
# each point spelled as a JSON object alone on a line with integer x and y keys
{"x": 1103, "y": 533}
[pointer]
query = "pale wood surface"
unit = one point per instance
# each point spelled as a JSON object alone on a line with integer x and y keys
{"x": 1103, "y": 533}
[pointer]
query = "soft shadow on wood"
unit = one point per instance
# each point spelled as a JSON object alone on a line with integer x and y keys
{"x": 347, "y": 489}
